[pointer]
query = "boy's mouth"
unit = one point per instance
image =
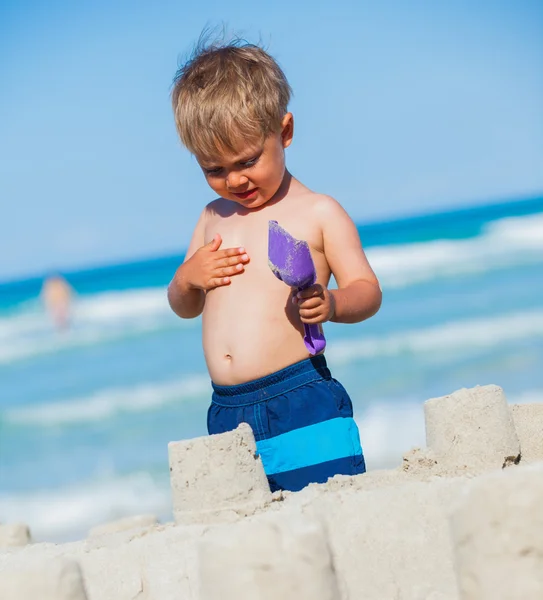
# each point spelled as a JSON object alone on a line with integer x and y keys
{"x": 247, "y": 194}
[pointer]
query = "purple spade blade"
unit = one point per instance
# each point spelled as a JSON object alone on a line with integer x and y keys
{"x": 289, "y": 258}
{"x": 291, "y": 262}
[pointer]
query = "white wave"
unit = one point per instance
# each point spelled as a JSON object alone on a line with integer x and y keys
{"x": 450, "y": 337}
{"x": 68, "y": 513}
{"x": 27, "y": 320}
{"x": 524, "y": 232}
{"x": 107, "y": 403}
{"x": 98, "y": 318}
{"x": 388, "y": 430}
{"x": 105, "y": 307}
{"x": 529, "y": 397}
{"x": 112, "y": 307}
{"x": 502, "y": 243}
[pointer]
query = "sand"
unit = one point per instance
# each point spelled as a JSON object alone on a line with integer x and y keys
{"x": 461, "y": 519}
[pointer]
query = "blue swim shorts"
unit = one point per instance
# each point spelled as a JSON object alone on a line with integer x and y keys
{"x": 302, "y": 420}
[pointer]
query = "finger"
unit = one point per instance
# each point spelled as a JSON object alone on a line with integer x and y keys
{"x": 312, "y": 319}
{"x": 229, "y": 271}
{"x": 232, "y": 252}
{"x": 219, "y": 282}
{"x": 309, "y": 313}
{"x": 311, "y": 292}
{"x": 215, "y": 243}
{"x": 232, "y": 260}
{"x": 308, "y": 303}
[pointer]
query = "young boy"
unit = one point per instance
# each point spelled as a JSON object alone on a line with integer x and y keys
{"x": 230, "y": 104}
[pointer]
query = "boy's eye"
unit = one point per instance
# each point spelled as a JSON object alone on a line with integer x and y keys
{"x": 244, "y": 163}
{"x": 250, "y": 162}
{"x": 213, "y": 170}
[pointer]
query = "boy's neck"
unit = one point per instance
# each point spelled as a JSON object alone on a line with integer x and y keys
{"x": 283, "y": 188}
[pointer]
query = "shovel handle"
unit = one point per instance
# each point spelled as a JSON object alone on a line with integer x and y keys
{"x": 314, "y": 339}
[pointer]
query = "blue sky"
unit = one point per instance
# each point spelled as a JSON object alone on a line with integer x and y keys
{"x": 400, "y": 107}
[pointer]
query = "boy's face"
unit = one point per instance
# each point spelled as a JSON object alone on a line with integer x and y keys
{"x": 252, "y": 177}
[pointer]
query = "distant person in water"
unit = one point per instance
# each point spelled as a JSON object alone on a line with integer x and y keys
{"x": 57, "y": 295}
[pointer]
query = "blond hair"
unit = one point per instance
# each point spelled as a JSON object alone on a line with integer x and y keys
{"x": 228, "y": 95}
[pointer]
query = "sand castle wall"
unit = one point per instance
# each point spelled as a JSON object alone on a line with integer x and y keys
{"x": 58, "y": 579}
{"x": 497, "y": 532}
{"x": 412, "y": 533}
{"x": 13, "y": 535}
{"x": 268, "y": 558}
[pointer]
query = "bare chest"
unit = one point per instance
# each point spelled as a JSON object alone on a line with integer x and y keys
{"x": 250, "y": 231}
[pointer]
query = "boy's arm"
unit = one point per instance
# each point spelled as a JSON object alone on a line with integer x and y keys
{"x": 358, "y": 296}
{"x": 205, "y": 267}
{"x": 186, "y": 301}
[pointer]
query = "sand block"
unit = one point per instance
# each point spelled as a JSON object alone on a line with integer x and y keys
{"x": 56, "y": 579}
{"x": 472, "y": 429}
{"x": 498, "y": 536}
{"x": 135, "y": 522}
{"x": 217, "y": 477}
{"x": 528, "y": 420}
{"x": 389, "y": 536}
{"x": 285, "y": 557}
{"x": 14, "y": 534}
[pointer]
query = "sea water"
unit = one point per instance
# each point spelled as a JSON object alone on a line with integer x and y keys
{"x": 86, "y": 415}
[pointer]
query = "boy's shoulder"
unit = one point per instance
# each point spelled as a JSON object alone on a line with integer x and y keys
{"x": 324, "y": 201}
{"x": 322, "y": 206}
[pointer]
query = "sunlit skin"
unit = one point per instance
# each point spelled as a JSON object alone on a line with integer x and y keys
{"x": 252, "y": 322}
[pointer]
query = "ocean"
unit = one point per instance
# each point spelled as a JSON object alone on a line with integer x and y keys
{"x": 86, "y": 415}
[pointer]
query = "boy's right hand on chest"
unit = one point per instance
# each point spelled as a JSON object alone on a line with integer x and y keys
{"x": 210, "y": 267}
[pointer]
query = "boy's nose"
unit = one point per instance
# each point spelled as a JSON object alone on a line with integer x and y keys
{"x": 236, "y": 180}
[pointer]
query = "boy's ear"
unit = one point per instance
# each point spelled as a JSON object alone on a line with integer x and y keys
{"x": 287, "y": 129}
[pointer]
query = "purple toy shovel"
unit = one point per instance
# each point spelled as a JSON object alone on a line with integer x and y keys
{"x": 291, "y": 262}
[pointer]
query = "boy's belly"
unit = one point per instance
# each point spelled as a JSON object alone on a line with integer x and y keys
{"x": 250, "y": 332}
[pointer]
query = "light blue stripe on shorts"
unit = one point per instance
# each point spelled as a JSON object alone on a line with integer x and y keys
{"x": 311, "y": 445}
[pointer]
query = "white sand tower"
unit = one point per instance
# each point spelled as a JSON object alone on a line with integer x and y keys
{"x": 528, "y": 420}
{"x": 498, "y": 536}
{"x": 217, "y": 477}
{"x": 472, "y": 428}
{"x": 271, "y": 557}
{"x": 56, "y": 579}
{"x": 14, "y": 534}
